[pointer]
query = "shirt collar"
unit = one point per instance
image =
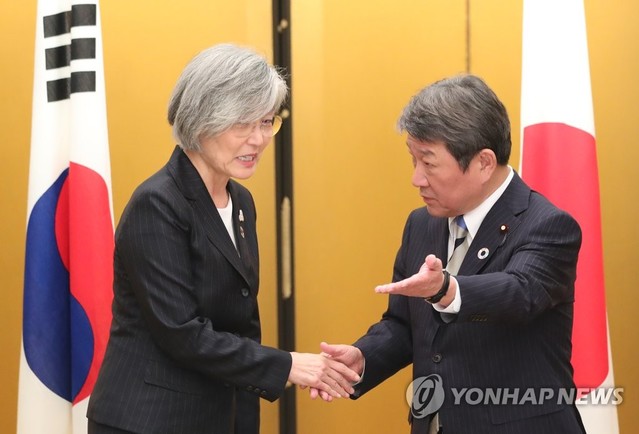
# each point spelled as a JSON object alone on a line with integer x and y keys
{"x": 475, "y": 217}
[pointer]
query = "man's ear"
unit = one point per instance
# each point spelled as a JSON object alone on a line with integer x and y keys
{"x": 487, "y": 162}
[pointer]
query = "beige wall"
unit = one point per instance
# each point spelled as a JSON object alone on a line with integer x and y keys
{"x": 354, "y": 68}
{"x": 355, "y": 64}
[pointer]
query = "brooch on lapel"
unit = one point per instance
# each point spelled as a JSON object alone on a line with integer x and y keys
{"x": 483, "y": 253}
{"x": 503, "y": 230}
{"x": 241, "y": 219}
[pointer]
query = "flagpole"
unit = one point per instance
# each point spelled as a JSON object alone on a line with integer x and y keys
{"x": 69, "y": 239}
{"x": 559, "y": 159}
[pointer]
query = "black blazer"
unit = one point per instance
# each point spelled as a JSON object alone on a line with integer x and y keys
{"x": 184, "y": 354}
{"x": 514, "y": 327}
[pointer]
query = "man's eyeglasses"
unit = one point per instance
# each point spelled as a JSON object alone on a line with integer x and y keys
{"x": 268, "y": 127}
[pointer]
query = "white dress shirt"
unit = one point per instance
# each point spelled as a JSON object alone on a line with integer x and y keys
{"x": 473, "y": 220}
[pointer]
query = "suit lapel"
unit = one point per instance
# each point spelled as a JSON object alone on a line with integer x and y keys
{"x": 487, "y": 242}
{"x": 501, "y": 220}
{"x": 193, "y": 188}
{"x": 440, "y": 233}
{"x": 428, "y": 235}
{"x": 244, "y": 228}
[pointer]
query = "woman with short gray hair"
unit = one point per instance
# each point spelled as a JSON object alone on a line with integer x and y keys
{"x": 184, "y": 354}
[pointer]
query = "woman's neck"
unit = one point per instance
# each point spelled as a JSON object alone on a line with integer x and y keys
{"x": 215, "y": 182}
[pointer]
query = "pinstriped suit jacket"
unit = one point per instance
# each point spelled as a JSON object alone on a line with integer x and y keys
{"x": 514, "y": 327}
{"x": 184, "y": 353}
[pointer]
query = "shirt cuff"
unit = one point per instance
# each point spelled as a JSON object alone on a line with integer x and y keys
{"x": 361, "y": 377}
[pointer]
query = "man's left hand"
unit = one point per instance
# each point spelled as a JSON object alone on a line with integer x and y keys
{"x": 425, "y": 283}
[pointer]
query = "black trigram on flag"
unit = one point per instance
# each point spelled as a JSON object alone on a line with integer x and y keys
{"x": 61, "y": 56}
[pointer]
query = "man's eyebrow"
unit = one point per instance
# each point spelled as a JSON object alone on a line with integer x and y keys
{"x": 422, "y": 152}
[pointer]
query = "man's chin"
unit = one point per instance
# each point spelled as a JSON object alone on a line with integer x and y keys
{"x": 436, "y": 211}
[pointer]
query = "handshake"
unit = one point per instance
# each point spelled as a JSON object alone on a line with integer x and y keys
{"x": 330, "y": 374}
{"x": 333, "y": 372}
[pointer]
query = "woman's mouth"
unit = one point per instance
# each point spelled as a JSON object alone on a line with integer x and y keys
{"x": 247, "y": 158}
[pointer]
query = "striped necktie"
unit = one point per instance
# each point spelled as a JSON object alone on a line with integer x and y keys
{"x": 462, "y": 241}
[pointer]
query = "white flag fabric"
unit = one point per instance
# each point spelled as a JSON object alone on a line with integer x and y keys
{"x": 559, "y": 159}
{"x": 69, "y": 240}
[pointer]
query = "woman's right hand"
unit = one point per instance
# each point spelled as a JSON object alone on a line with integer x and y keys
{"x": 322, "y": 373}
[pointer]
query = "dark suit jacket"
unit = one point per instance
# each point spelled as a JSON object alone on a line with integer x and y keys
{"x": 184, "y": 353}
{"x": 514, "y": 327}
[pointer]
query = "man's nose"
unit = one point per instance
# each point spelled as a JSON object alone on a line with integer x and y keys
{"x": 419, "y": 179}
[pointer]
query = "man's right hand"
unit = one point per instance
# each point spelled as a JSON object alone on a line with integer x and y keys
{"x": 349, "y": 355}
{"x": 328, "y": 376}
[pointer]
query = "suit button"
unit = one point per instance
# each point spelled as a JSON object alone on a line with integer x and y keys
{"x": 249, "y": 388}
{"x": 437, "y": 358}
{"x": 245, "y": 292}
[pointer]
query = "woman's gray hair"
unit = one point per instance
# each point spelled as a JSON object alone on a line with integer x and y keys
{"x": 464, "y": 114}
{"x": 223, "y": 85}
